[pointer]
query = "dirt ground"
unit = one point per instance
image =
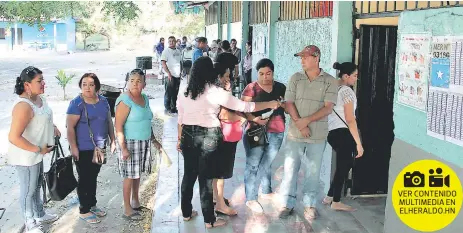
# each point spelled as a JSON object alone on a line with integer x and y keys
{"x": 109, "y": 196}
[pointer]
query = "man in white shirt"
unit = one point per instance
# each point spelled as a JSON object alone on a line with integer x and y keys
{"x": 170, "y": 59}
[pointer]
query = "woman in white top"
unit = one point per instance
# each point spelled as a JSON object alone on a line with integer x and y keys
{"x": 31, "y": 137}
{"x": 199, "y": 135}
{"x": 343, "y": 136}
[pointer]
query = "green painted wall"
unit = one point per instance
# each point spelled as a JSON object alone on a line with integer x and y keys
{"x": 410, "y": 125}
{"x": 293, "y": 36}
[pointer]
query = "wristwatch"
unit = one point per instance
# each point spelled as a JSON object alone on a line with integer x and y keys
{"x": 40, "y": 149}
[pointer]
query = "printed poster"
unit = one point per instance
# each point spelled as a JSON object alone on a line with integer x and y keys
{"x": 440, "y": 62}
{"x": 456, "y": 66}
{"x": 413, "y": 70}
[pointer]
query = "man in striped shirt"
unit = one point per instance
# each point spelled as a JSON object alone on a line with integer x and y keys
{"x": 310, "y": 97}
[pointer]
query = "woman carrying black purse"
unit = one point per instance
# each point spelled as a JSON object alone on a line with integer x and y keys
{"x": 343, "y": 136}
{"x": 264, "y": 134}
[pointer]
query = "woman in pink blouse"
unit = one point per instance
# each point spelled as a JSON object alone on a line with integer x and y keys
{"x": 200, "y": 134}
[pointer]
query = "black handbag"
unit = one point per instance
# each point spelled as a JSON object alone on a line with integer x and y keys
{"x": 60, "y": 178}
{"x": 257, "y": 136}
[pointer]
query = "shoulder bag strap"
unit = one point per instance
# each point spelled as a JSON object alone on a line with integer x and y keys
{"x": 88, "y": 122}
{"x": 337, "y": 113}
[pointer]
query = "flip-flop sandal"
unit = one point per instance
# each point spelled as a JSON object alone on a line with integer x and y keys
{"x": 227, "y": 202}
{"x": 90, "y": 219}
{"x": 140, "y": 208}
{"x": 223, "y": 221}
{"x": 194, "y": 213}
{"x": 223, "y": 213}
{"x": 98, "y": 212}
{"x": 135, "y": 216}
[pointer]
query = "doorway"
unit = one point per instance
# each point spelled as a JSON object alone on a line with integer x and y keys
{"x": 375, "y": 93}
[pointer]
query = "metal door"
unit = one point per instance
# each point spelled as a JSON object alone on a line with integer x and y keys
{"x": 375, "y": 93}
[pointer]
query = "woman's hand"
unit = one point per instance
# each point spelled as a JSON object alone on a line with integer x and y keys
{"x": 125, "y": 154}
{"x": 75, "y": 153}
{"x": 359, "y": 151}
{"x": 260, "y": 121}
{"x": 56, "y": 131}
{"x": 113, "y": 147}
{"x": 157, "y": 144}
{"x": 46, "y": 149}
{"x": 178, "y": 146}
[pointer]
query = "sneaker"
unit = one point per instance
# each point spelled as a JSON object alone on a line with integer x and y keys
{"x": 37, "y": 229}
{"x": 47, "y": 218}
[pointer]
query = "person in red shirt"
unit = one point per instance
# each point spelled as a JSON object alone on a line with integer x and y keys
{"x": 259, "y": 158}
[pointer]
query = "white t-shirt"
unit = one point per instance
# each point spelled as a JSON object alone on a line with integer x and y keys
{"x": 345, "y": 95}
{"x": 172, "y": 58}
{"x": 39, "y": 132}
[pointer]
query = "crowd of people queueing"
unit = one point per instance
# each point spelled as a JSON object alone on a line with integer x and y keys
{"x": 211, "y": 121}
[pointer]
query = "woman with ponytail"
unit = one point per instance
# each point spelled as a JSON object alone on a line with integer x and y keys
{"x": 31, "y": 137}
{"x": 343, "y": 133}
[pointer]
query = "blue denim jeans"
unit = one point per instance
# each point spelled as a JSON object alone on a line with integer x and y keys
{"x": 294, "y": 153}
{"x": 30, "y": 182}
{"x": 258, "y": 165}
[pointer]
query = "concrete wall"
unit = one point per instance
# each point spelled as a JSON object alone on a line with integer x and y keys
{"x": 259, "y": 45}
{"x": 211, "y": 32}
{"x": 293, "y": 36}
{"x": 411, "y": 124}
{"x": 412, "y": 143}
{"x": 236, "y": 33}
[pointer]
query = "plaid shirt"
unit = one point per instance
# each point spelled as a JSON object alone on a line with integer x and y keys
{"x": 309, "y": 97}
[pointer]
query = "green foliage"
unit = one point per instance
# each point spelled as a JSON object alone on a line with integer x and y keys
{"x": 64, "y": 80}
{"x": 41, "y": 12}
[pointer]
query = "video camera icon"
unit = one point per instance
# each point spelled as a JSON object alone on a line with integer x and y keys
{"x": 416, "y": 179}
{"x": 438, "y": 180}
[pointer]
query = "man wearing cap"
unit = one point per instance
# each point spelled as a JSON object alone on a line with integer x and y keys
{"x": 310, "y": 97}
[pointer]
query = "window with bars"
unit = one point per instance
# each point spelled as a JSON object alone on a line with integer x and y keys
{"x": 258, "y": 12}
{"x": 236, "y": 11}
{"x": 294, "y": 10}
{"x": 363, "y": 8}
{"x": 211, "y": 14}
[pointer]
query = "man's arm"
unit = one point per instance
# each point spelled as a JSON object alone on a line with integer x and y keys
{"x": 323, "y": 112}
{"x": 331, "y": 96}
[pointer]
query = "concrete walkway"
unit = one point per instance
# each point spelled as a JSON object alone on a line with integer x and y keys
{"x": 168, "y": 218}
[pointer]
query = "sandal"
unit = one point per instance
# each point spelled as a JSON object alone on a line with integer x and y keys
{"x": 135, "y": 216}
{"x": 327, "y": 200}
{"x": 227, "y": 202}
{"x": 232, "y": 212}
{"x": 97, "y": 211}
{"x": 92, "y": 219}
{"x": 194, "y": 213}
{"x": 140, "y": 208}
{"x": 219, "y": 222}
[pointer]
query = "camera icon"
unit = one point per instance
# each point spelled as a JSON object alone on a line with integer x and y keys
{"x": 414, "y": 179}
{"x": 438, "y": 180}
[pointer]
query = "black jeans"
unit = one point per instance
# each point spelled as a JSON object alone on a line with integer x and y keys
{"x": 343, "y": 143}
{"x": 247, "y": 77}
{"x": 199, "y": 148}
{"x": 170, "y": 96}
{"x": 88, "y": 174}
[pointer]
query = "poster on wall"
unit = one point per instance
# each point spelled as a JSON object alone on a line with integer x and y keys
{"x": 456, "y": 65}
{"x": 440, "y": 62}
{"x": 454, "y": 133}
{"x": 436, "y": 112}
{"x": 413, "y": 70}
